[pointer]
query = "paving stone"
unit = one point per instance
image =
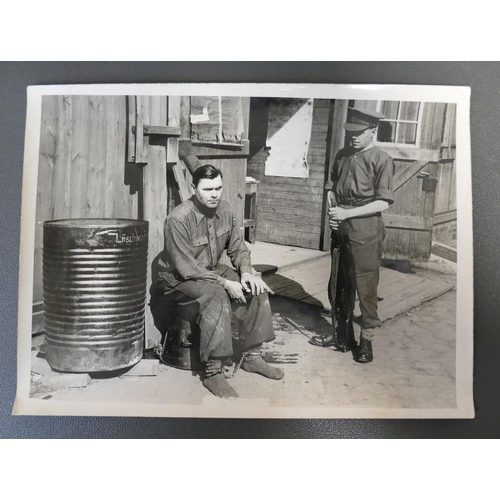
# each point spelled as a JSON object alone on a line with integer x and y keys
{"x": 39, "y": 364}
{"x": 65, "y": 380}
{"x": 38, "y": 343}
{"x": 145, "y": 368}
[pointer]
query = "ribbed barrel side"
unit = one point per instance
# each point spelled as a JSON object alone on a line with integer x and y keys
{"x": 94, "y": 283}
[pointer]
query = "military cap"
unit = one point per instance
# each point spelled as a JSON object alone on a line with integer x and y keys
{"x": 361, "y": 119}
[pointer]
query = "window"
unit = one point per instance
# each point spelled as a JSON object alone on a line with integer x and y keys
{"x": 217, "y": 120}
{"x": 401, "y": 123}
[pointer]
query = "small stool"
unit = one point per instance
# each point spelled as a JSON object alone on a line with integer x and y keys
{"x": 180, "y": 348}
{"x": 250, "y": 220}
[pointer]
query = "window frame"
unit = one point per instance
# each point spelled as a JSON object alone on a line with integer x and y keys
{"x": 401, "y": 145}
{"x": 219, "y": 142}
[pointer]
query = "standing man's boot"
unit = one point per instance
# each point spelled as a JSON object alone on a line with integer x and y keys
{"x": 365, "y": 352}
{"x": 321, "y": 341}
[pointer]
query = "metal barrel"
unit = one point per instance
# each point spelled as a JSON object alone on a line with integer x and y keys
{"x": 94, "y": 291}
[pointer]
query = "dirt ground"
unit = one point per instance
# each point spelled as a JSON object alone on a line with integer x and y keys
{"x": 414, "y": 367}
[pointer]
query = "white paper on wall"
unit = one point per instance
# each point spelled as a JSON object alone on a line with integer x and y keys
{"x": 288, "y": 137}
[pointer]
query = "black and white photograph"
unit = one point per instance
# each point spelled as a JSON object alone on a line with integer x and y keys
{"x": 246, "y": 251}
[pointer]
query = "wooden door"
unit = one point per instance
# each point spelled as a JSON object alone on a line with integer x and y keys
{"x": 409, "y": 220}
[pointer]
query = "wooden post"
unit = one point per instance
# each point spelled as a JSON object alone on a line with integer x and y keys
{"x": 429, "y": 207}
{"x": 150, "y": 112}
{"x": 131, "y": 126}
{"x": 336, "y": 138}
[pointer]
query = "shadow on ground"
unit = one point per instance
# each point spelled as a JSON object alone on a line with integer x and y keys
{"x": 291, "y": 315}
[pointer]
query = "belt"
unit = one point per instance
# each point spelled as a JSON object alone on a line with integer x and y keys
{"x": 346, "y": 202}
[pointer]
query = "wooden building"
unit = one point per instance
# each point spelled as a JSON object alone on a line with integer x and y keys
{"x": 419, "y": 136}
{"x": 129, "y": 157}
{"x": 132, "y": 157}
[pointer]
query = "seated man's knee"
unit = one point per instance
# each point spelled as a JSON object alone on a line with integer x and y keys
{"x": 261, "y": 298}
{"x": 219, "y": 294}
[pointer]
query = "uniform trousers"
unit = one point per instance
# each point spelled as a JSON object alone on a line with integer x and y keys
{"x": 208, "y": 305}
{"x": 356, "y": 254}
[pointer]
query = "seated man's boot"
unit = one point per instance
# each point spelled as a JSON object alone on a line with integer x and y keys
{"x": 254, "y": 363}
{"x": 328, "y": 341}
{"x": 215, "y": 381}
{"x": 365, "y": 352}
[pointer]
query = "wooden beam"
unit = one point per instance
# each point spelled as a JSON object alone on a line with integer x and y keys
{"x": 192, "y": 162}
{"x": 429, "y": 210}
{"x": 445, "y": 217}
{"x": 181, "y": 182}
{"x": 403, "y": 175}
{"x": 140, "y": 154}
{"x": 173, "y": 117}
{"x": 161, "y": 130}
{"x": 407, "y": 222}
{"x": 186, "y": 148}
{"x": 444, "y": 251}
{"x": 131, "y": 124}
{"x": 185, "y": 124}
{"x": 335, "y": 142}
{"x": 417, "y": 154}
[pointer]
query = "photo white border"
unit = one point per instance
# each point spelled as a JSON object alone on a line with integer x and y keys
{"x": 24, "y": 405}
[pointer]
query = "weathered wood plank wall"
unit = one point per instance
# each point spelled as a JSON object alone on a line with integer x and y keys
{"x": 289, "y": 210}
{"x": 82, "y": 170}
{"x": 445, "y": 217}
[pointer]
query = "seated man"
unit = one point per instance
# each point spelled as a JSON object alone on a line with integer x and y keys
{"x": 192, "y": 281}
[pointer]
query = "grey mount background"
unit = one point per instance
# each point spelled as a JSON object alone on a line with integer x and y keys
{"x": 483, "y": 78}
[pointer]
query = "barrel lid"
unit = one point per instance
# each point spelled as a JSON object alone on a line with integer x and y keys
{"x": 91, "y": 223}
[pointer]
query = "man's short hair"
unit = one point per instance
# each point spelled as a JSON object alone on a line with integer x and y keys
{"x": 205, "y": 172}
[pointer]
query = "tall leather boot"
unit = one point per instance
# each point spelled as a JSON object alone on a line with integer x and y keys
{"x": 365, "y": 352}
{"x": 321, "y": 341}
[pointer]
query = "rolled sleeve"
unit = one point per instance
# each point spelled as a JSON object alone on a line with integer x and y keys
{"x": 181, "y": 255}
{"x": 384, "y": 175}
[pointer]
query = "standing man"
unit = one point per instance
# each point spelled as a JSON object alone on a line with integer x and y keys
{"x": 359, "y": 190}
{"x": 193, "y": 282}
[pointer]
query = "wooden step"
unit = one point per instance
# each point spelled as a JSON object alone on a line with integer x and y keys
{"x": 444, "y": 251}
